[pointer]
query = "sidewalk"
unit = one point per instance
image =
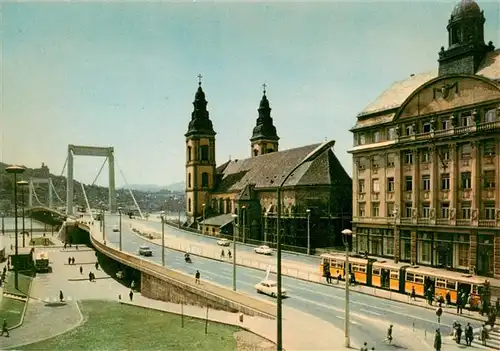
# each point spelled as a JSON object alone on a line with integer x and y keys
{"x": 292, "y": 269}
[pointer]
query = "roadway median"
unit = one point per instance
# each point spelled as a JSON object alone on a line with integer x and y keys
{"x": 161, "y": 280}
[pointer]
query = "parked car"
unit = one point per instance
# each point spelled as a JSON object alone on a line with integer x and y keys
{"x": 269, "y": 287}
{"x": 145, "y": 250}
{"x": 223, "y": 242}
{"x": 115, "y": 228}
{"x": 264, "y": 250}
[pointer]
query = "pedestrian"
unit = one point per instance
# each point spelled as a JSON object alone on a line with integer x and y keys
{"x": 338, "y": 276}
{"x": 61, "y": 296}
{"x": 90, "y": 276}
{"x": 229, "y": 253}
{"x": 329, "y": 278}
{"x": 131, "y": 295}
{"x": 69, "y": 260}
{"x": 413, "y": 294}
{"x": 5, "y": 330}
{"x": 77, "y": 247}
{"x": 81, "y": 270}
{"x": 484, "y": 334}
{"x": 459, "y": 333}
{"x": 364, "y": 347}
{"x": 97, "y": 265}
{"x": 448, "y": 298}
{"x": 222, "y": 254}
{"x": 93, "y": 277}
{"x": 437, "y": 341}
{"x": 197, "y": 277}
{"x": 469, "y": 334}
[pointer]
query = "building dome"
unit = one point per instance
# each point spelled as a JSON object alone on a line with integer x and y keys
{"x": 466, "y": 8}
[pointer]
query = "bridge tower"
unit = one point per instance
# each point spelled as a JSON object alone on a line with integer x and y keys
{"x": 94, "y": 151}
{"x": 200, "y": 157}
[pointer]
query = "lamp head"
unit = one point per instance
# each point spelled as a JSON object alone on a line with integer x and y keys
{"x": 308, "y": 211}
{"x": 22, "y": 183}
{"x": 13, "y": 169}
{"x": 162, "y": 214}
{"x": 120, "y": 210}
{"x": 347, "y": 232}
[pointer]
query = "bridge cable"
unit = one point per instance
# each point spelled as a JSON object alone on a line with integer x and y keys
{"x": 36, "y": 196}
{"x": 64, "y": 167}
{"x": 57, "y": 195}
{"x": 130, "y": 190}
{"x": 86, "y": 199}
{"x": 99, "y": 173}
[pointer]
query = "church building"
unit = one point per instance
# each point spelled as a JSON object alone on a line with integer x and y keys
{"x": 426, "y": 177}
{"x": 240, "y": 195}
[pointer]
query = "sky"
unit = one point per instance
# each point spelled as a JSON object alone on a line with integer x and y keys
{"x": 125, "y": 74}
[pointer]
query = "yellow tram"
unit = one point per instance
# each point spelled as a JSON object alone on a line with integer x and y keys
{"x": 402, "y": 277}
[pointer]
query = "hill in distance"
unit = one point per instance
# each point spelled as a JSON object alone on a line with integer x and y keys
{"x": 153, "y": 188}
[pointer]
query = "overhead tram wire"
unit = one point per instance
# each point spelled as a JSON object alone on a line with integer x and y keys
{"x": 130, "y": 190}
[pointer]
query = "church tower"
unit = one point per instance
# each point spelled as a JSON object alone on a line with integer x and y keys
{"x": 466, "y": 47}
{"x": 264, "y": 138}
{"x": 200, "y": 157}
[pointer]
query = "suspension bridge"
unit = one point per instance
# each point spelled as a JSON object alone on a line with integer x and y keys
{"x": 68, "y": 207}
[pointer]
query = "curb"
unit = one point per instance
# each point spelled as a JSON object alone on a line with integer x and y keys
{"x": 321, "y": 283}
{"x": 24, "y": 309}
{"x": 198, "y": 318}
{"x": 80, "y": 264}
{"x": 86, "y": 279}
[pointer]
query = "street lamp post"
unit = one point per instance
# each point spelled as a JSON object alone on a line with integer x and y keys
{"x": 22, "y": 184}
{"x": 51, "y": 226}
{"x": 120, "y": 226}
{"x": 163, "y": 238}
{"x": 345, "y": 234}
{"x": 308, "y": 231}
{"x": 15, "y": 170}
{"x": 243, "y": 215}
{"x": 265, "y": 228}
{"x": 395, "y": 215}
{"x": 3, "y": 223}
{"x": 234, "y": 251}
{"x": 203, "y": 226}
{"x": 31, "y": 224}
{"x": 104, "y": 225}
{"x": 279, "y": 315}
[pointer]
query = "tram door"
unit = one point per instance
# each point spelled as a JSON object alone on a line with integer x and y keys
{"x": 429, "y": 283}
{"x": 385, "y": 278}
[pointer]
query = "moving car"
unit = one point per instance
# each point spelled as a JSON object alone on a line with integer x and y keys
{"x": 115, "y": 228}
{"x": 264, "y": 250}
{"x": 223, "y": 242}
{"x": 145, "y": 250}
{"x": 269, "y": 287}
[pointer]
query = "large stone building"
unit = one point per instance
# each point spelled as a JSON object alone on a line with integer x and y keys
{"x": 240, "y": 194}
{"x": 426, "y": 178}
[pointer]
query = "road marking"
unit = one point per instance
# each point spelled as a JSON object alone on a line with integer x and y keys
{"x": 368, "y": 311}
{"x": 350, "y": 321}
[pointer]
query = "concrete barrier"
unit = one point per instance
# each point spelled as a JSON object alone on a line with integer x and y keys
{"x": 165, "y": 284}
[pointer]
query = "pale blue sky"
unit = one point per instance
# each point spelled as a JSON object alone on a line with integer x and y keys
{"x": 124, "y": 75}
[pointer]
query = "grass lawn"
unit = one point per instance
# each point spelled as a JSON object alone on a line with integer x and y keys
{"x": 41, "y": 241}
{"x": 24, "y": 284}
{"x": 112, "y": 326}
{"x": 11, "y": 310}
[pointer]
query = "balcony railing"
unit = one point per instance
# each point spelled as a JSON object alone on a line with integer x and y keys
{"x": 465, "y": 222}
{"x": 487, "y": 223}
{"x": 442, "y": 221}
{"x": 390, "y": 221}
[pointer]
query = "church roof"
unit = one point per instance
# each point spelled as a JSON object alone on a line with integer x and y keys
{"x": 399, "y": 91}
{"x": 268, "y": 170}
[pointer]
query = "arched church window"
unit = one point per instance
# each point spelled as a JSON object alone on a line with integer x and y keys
{"x": 204, "y": 180}
{"x": 189, "y": 180}
{"x": 189, "y": 151}
{"x": 255, "y": 152}
{"x": 204, "y": 152}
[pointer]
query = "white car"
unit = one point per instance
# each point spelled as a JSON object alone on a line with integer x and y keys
{"x": 264, "y": 250}
{"x": 145, "y": 250}
{"x": 115, "y": 228}
{"x": 223, "y": 242}
{"x": 269, "y": 287}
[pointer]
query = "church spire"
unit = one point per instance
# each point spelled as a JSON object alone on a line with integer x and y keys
{"x": 264, "y": 136}
{"x": 200, "y": 122}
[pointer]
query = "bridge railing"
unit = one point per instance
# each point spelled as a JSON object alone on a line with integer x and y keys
{"x": 151, "y": 268}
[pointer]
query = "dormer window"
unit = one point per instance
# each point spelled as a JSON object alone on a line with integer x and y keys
{"x": 409, "y": 129}
{"x": 445, "y": 124}
{"x": 376, "y": 136}
{"x": 362, "y": 139}
{"x": 427, "y": 127}
{"x": 391, "y": 133}
{"x": 490, "y": 115}
{"x": 466, "y": 119}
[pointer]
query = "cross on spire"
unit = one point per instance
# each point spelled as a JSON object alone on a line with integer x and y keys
{"x": 264, "y": 86}
{"x": 199, "y": 79}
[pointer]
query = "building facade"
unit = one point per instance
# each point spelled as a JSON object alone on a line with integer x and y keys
{"x": 426, "y": 170}
{"x": 240, "y": 195}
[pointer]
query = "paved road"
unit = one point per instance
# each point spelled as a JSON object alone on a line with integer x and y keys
{"x": 370, "y": 315}
{"x": 182, "y": 234}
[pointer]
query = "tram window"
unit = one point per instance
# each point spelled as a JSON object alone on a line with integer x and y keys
{"x": 451, "y": 285}
{"x": 394, "y": 275}
{"x": 419, "y": 279}
{"x": 441, "y": 283}
{"x": 376, "y": 271}
{"x": 410, "y": 277}
{"x": 359, "y": 268}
